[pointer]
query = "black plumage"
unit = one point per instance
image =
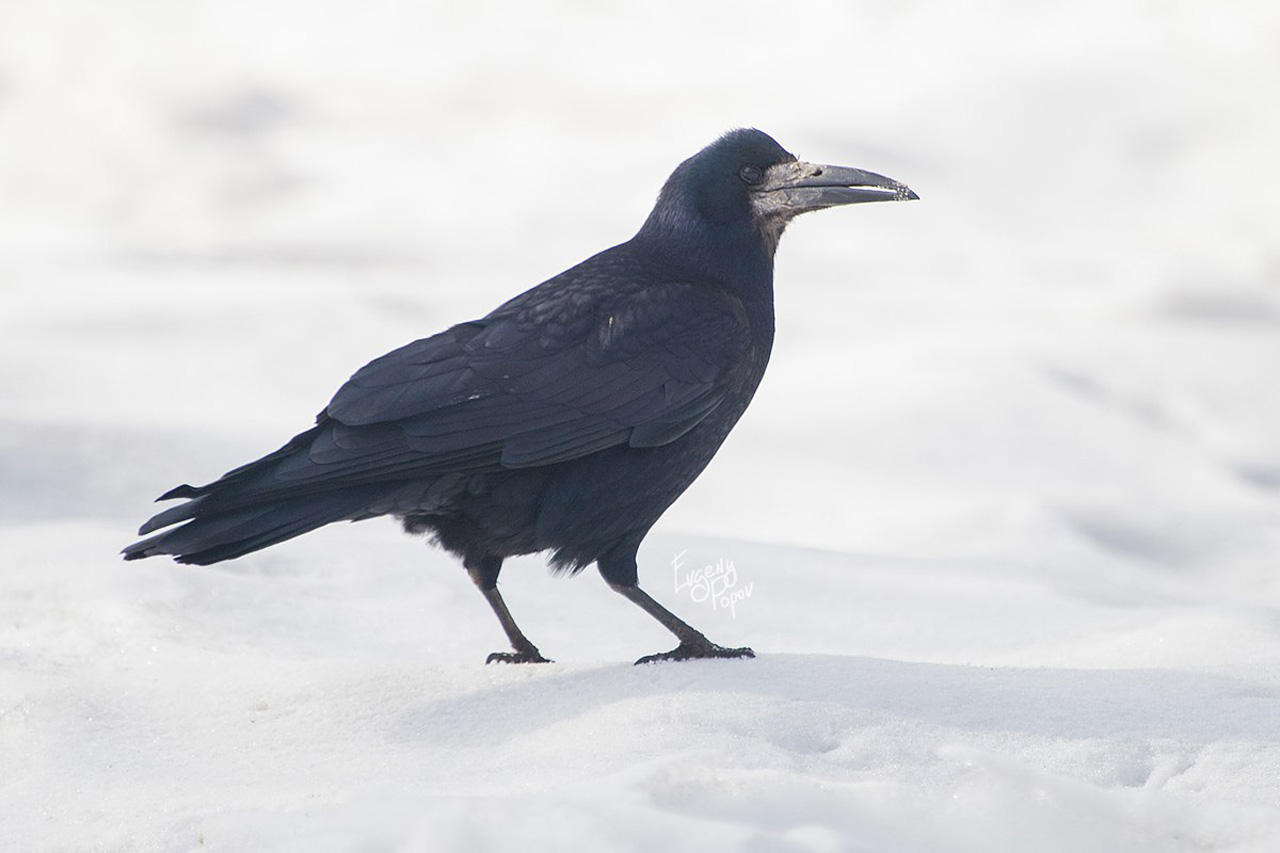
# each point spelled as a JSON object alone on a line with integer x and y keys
{"x": 569, "y": 418}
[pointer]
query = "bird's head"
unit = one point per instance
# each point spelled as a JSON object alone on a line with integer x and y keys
{"x": 747, "y": 186}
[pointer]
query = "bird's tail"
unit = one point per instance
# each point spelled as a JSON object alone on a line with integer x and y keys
{"x": 249, "y": 509}
{"x": 224, "y": 535}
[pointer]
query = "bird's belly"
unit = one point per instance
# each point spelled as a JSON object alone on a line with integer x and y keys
{"x": 581, "y": 508}
{"x": 597, "y": 501}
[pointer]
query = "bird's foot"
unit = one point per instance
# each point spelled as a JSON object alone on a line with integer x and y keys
{"x": 694, "y": 650}
{"x": 529, "y": 655}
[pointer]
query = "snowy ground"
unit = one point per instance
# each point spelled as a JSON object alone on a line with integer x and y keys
{"x": 1007, "y": 506}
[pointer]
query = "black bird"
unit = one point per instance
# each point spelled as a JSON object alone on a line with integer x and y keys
{"x": 569, "y": 418}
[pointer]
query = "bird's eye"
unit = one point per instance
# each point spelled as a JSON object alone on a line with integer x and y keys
{"x": 751, "y": 175}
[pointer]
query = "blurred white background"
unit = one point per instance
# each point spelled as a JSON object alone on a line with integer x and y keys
{"x": 212, "y": 213}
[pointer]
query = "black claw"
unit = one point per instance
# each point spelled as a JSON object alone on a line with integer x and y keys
{"x": 528, "y": 656}
{"x": 693, "y": 651}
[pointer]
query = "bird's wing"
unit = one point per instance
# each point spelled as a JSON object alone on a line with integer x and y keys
{"x": 537, "y": 382}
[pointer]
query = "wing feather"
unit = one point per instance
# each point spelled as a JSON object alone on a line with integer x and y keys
{"x": 547, "y": 378}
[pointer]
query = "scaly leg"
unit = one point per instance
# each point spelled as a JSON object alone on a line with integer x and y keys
{"x": 619, "y": 571}
{"x": 484, "y": 572}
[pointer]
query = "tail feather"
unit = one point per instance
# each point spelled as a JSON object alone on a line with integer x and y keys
{"x": 234, "y": 533}
{"x": 249, "y": 508}
{"x": 172, "y": 515}
{"x": 183, "y": 491}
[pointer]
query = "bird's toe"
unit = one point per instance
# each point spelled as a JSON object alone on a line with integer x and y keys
{"x": 694, "y": 651}
{"x": 527, "y": 656}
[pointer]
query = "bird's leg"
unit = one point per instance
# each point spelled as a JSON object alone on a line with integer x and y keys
{"x": 525, "y": 651}
{"x": 484, "y": 572}
{"x": 618, "y": 568}
{"x": 693, "y": 643}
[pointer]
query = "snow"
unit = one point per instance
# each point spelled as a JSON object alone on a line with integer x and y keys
{"x": 1002, "y": 522}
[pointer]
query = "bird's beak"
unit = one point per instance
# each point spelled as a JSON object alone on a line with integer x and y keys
{"x": 798, "y": 187}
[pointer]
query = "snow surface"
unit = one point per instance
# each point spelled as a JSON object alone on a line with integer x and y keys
{"x": 1007, "y": 506}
